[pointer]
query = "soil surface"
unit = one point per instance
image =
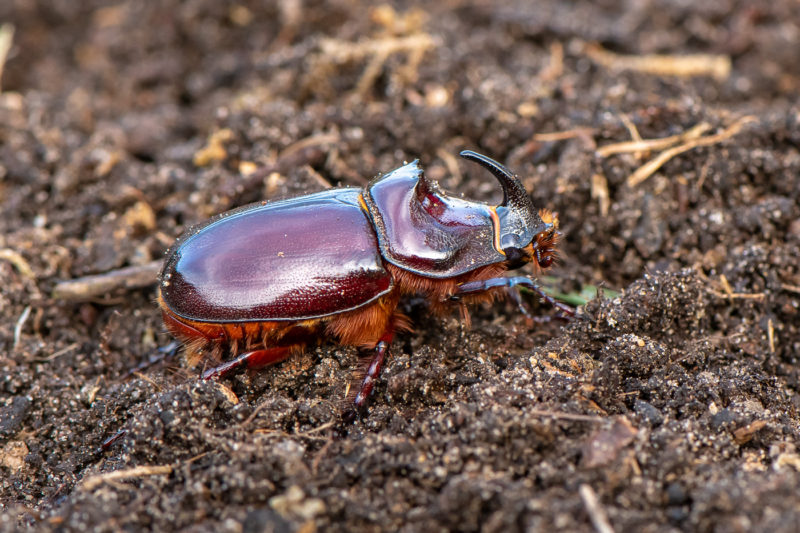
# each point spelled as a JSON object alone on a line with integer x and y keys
{"x": 669, "y": 404}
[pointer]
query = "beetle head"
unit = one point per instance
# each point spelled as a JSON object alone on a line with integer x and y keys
{"x": 522, "y": 234}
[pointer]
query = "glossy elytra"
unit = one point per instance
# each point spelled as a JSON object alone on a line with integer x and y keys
{"x": 256, "y": 284}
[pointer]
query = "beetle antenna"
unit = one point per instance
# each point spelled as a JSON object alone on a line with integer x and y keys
{"x": 514, "y": 194}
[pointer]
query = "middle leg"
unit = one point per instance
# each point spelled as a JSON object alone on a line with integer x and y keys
{"x": 380, "y": 352}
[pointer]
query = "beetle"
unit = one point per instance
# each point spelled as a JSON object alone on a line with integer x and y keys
{"x": 254, "y": 285}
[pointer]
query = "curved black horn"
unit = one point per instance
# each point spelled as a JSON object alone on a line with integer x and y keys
{"x": 514, "y": 194}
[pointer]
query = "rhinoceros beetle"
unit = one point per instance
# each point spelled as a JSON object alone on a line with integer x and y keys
{"x": 258, "y": 283}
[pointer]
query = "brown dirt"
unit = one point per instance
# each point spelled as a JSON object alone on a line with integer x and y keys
{"x": 675, "y": 404}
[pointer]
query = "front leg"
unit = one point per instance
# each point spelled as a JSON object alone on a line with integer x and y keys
{"x": 474, "y": 287}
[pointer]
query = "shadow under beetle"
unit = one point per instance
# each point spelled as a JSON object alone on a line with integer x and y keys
{"x": 258, "y": 283}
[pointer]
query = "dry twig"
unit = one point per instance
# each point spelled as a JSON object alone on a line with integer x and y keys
{"x": 647, "y": 170}
{"x": 640, "y": 145}
{"x": 686, "y": 66}
{"x": 600, "y": 192}
{"x": 727, "y": 291}
{"x": 555, "y": 67}
{"x": 631, "y": 127}
{"x": 18, "y": 261}
{"x": 790, "y": 288}
{"x": 595, "y": 511}
{"x": 563, "y": 135}
{"x": 6, "y": 39}
{"x": 18, "y": 327}
{"x": 320, "y": 139}
{"x": 59, "y": 353}
{"x": 558, "y": 415}
{"x": 771, "y": 335}
{"x": 378, "y": 51}
{"x": 745, "y": 434}
{"x": 89, "y": 287}
{"x": 95, "y": 481}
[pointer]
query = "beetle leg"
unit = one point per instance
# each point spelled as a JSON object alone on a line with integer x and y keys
{"x": 253, "y": 359}
{"x": 525, "y": 309}
{"x": 373, "y": 371}
{"x": 516, "y": 297}
{"x": 484, "y": 285}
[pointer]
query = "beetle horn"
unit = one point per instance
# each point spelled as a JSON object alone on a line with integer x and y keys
{"x": 515, "y": 197}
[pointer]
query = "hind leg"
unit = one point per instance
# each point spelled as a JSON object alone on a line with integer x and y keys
{"x": 265, "y": 344}
{"x": 253, "y": 360}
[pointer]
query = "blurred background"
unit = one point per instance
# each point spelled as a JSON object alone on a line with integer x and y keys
{"x": 666, "y": 134}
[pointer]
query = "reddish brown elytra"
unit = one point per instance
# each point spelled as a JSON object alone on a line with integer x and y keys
{"x": 256, "y": 284}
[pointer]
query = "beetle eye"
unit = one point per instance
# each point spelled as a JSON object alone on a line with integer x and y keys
{"x": 544, "y": 261}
